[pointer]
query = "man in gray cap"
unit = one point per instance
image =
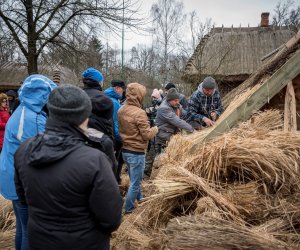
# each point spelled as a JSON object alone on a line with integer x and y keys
{"x": 71, "y": 192}
{"x": 205, "y": 105}
{"x": 169, "y": 120}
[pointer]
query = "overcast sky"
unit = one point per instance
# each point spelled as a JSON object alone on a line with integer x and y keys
{"x": 226, "y": 12}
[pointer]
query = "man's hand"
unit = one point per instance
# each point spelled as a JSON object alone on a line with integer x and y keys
{"x": 155, "y": 129}
{"x": 208, "y": 122}
{"x": 213, "y": 116}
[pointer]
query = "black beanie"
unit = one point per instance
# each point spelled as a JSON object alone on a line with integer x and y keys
{"x": 172, "y": 94}
{"x": 70, "y": 104}
{"x": 118, "y": 83}
{"x": 170, "y": 85}
{"x": 102, "y": 106}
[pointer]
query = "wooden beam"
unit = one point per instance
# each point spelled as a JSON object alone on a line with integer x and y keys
{"x": 256, "y": 100}
{"x": 290, "y": 112}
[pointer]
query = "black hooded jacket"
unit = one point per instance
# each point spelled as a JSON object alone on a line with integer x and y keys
{"x": 73, "y": 198}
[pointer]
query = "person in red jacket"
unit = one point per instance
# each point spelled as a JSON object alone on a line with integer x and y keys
{"x": 4, "y": 116}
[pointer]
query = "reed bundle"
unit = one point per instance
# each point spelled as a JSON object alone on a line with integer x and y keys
{"x": 204, "y": 232}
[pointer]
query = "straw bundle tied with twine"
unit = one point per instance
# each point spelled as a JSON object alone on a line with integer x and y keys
{"x": 243, "y": 181}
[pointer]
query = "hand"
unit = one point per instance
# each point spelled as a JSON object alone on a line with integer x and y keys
{"x": 208, "y": 122}
{"x": 213, "y": 116}
{"x": 155, "y": 129}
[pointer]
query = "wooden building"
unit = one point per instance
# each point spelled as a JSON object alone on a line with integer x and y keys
{"x": 12, "y": 74}
{"x": 231, "y": 55}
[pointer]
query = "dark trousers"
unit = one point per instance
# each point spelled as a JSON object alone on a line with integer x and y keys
{"x": 150, "y": 157}
{"x": 120, "y": 160}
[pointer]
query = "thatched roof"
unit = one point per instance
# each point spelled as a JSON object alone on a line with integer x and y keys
{"x": 11, "y": 74}
{"x": 232, "y": 54}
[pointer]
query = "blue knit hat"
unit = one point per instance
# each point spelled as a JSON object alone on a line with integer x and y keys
{"x": 93, "y": 74}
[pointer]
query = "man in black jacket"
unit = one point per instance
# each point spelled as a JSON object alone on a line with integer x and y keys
{"x": 93, "y": 83}
{"x": 72, "y": 195}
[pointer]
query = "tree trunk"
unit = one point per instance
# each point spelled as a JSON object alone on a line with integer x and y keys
{"x": 32, "y": 59}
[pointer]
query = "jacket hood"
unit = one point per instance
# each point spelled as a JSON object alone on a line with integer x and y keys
{"x": 135, "y": 94}
{"x": 59, "y": 140}
{"x": 35, "y": 91}
{"x": 111, "y": 93}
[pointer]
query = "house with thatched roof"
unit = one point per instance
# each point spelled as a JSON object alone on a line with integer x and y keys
{"x": 231, "y": 55}
{"x": 12, "y": 74}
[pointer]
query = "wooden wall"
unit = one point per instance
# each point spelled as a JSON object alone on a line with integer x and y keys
{"x": 277, "y": 102}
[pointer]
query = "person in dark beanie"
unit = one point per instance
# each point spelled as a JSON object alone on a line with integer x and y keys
{"x": 205, "y": 104}
{"x": 182, "y": 99}
{"x": 169, "y": 120}
{"x": 99, "y": 130}
{"x": 115, "y": 93}
{"x": 73, "y": 198}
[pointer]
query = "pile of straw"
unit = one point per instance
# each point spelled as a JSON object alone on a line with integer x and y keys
{"x": 7, "y": 224}
{"x": 240, "y": 190}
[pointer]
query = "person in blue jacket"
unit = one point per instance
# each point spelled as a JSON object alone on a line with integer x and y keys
{"x": 28, "y": 120}
{"x": 115, "y": 93}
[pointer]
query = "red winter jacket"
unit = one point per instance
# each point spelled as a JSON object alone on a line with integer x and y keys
{"x": 4, "y": 116}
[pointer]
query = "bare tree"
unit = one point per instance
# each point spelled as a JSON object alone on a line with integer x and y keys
{"x": 34, "y": 24}
{"x": 287, "y": 13}
{"x": 168, "y": 16}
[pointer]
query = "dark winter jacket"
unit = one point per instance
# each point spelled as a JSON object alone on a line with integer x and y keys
{"x": 183, "y": 101}
{"x": 102, "y": 142}
{"x": 152, "y": 111}
{"x": 201, "y": 105}
{"x": 169, "y": 123}
{"x": 73, "y": 198}
{"x": 102, "y": 111}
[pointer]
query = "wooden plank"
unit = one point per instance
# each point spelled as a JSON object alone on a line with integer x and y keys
{"x": 256, "y": 100}
{"x": 290, "y": 112}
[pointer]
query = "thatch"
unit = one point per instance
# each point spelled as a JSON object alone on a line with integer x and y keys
{"x": 232, "y": 54}
{"x": 265, "y": 70}
{"x": 7, "y": 224}
{"x": 239, "y": 184}
{"x": 204, "y": 232}
{"x": 11, "y": 74}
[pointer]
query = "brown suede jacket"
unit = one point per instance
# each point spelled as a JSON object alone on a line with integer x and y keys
{"x": 134, "y": 127}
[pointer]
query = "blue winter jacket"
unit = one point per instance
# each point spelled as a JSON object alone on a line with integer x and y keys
{"x": 115, "y": 97}
{"x": 27, "y": 121}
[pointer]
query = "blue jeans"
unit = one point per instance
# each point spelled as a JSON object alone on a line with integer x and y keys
{"x": 136, "y": 165}
{"x": 21, "y": 213}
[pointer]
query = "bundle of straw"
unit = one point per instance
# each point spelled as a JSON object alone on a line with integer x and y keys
{"x": 203, "y": 232}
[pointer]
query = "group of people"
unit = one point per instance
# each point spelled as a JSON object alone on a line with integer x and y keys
{"x": 172, "y": 112}
{"x": 64, "y": 148}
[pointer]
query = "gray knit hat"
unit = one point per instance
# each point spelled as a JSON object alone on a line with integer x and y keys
{"x": 172, "y": 94}
{"x": 69, "y": 104}
{"x": 209, "y": 83}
